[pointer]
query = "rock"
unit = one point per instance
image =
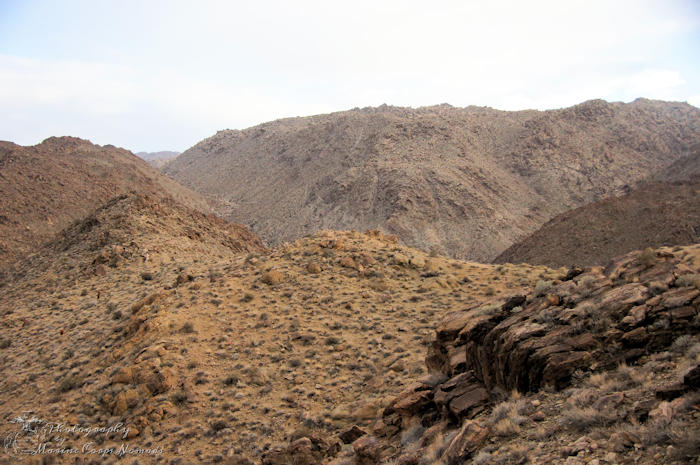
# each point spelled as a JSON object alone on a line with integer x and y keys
{"x": 692, "y": 378}
{"x": 635, "y": 338}
{"x": 469, "y": 439}
{"x": 417, "y": 262}
{"x": 620, "y": 299}
{"x": 351, "y": 434}
{"x": 123, "y": 376}
{"x": 678, "y": 297}
{"x": 635, "y": 316}
{"x": 272, "y": 277}
{"x": 347, "y": 262}
{"x": 411, "y": 401}
{"x": 463, "y": 395}
{"x": 608, "y": 402}
{"x": 313, "y": 267}
{"x": 538, "y": 416}
{"x": 671, "y": 391}
{"x": 157, "y": 380}
{"x": 367, "y": 450}
{"x": 124, "y": 401}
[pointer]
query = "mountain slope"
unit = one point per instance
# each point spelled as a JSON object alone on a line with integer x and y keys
{"x": 158, "y": 159}
{"x": 651, "y": 215}
{"x": 48, "y": 186}
{"x": 159, "y": 318}
{"x": 467, "y": 181}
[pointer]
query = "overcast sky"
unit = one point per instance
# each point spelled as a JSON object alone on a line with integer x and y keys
{"x": 162, "y": 75}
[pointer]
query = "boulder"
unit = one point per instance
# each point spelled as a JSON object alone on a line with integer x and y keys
{"x": 469, "y": 440}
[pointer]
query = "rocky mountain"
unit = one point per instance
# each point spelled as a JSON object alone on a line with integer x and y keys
{"x": 465, "y": 181}
{"x": 158, "y": 159}
{"x": 663, "y": 211}
{"x": 44, "y": 188}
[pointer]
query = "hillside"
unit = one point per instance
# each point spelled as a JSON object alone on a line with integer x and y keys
{"x": 158, "y": 159}
{"x": 46, "y": 187}
{"x": 653, "y": 214}
{"x": 468, "y": 182}
{"x": 211, "y": 348}
{"x": 195, "y": 345}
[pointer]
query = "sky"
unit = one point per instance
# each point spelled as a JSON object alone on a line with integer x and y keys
{"x": 163, "y": 75}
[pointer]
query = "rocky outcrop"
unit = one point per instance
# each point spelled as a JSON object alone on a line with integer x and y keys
{"x": 591, "y": 320}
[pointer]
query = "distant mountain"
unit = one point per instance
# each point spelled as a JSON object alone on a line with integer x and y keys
{"x": 158, "y": 159}
{"x": 46, "y": 187}
{"x": 663, "y": 211}
{"x": 466, "y": 181}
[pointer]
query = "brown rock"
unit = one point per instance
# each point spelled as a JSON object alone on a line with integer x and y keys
{"x": 469, "y": 439}
{"x": 620, "y": 299}
{"x": 692, "y": 378}
{"x": 348, "y": 262}
{"x": 411, "y": 401}
{"x": 635, "y": 316}
{"x": 123, "y": 376}
{"x": 671, "y": 391}
{"x": 367, "y": 450}
{"x": 272, "y": 277}
{"x": 351, "y": 434}
{"x": 609, "y": 402}
{"x": 313, "y": 267}
{"x": 678, "y": 297}
{"x": 635, "y": 338}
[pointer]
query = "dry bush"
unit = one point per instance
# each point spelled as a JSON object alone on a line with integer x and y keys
{"x": 583, "y": 419}
{"x": 648, "y": 258}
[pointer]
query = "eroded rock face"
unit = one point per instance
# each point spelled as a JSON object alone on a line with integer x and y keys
{"x": 594, "y": 319}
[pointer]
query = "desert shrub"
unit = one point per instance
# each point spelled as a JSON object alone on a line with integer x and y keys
{"x": 647, "y": 258}
{"x": 412, "y": 434}
{"x": 69, "y": 383}
{"x": 688, "y": 280}
{"x": 178, "y": 397}
{"x": 187, "y": 328}
{"x": 682, "y": 344}
{"x": 542, "y": 287}
{"x": 582, "y": 419}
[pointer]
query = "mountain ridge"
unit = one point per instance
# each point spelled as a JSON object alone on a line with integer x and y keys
{"x": 47, "y": 186}
{"x": 466, "y": 181}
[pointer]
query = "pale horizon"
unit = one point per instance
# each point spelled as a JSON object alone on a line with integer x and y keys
{"x": 161, "y": 76}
